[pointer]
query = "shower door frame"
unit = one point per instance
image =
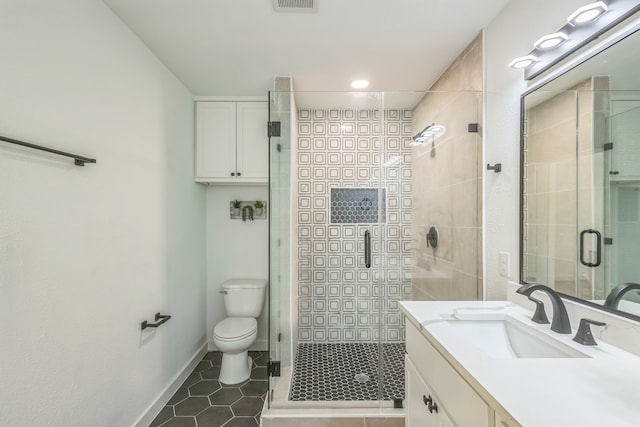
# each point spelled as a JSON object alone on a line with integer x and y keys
{"x": 378, "y": 246}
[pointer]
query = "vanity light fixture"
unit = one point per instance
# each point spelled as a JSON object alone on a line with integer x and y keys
{"x": 359, "y": 84}
{"x": 523, "y": 61}
{"x": 551, "y": 41}
{"x": 583, "y": 26}
{"x": 588, "y": 13}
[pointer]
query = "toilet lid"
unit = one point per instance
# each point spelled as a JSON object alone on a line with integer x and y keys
{"x": 235, "y": 328}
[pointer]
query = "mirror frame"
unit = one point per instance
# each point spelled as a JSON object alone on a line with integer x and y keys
{"x": 616, "y": 35}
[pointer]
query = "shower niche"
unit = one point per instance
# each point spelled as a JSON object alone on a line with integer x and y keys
{"x": 357, "y": 205}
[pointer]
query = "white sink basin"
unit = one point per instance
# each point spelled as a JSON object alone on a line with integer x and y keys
{"x": 502, "y": 336}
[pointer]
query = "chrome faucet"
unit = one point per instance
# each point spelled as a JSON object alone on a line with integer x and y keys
{"x": 560, "y": 322}
{"x": 616, "y": 294}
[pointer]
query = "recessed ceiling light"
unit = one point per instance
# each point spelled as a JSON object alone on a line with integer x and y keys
{"x": 523, "y": 61}
{"x": 359, "y": 84}
{"x": 588, "y": 13}
{"x": 551, "y": 40}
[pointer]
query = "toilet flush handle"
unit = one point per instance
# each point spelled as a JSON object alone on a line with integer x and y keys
{"x": 224, "y": 292}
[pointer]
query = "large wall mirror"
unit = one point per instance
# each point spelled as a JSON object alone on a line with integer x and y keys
{"x": 580, "y": 230}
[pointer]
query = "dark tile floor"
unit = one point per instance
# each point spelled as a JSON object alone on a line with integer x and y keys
{"x": 202, "y": 401}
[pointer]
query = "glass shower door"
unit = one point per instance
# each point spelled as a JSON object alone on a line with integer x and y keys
{"x": 624, "y": 186}
{"x": 608, "y": 194}
{"x": 340, "y": 248}
{"x": 592, "y": 190}
{"x": 338, "y": 205}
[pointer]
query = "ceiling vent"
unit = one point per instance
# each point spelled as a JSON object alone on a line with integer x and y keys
{"x": 295, "y": 5}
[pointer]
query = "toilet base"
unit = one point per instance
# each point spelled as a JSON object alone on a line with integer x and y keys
{"x": 235, "y": 368}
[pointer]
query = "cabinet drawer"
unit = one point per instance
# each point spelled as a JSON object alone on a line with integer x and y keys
{"x": 464, "y": 406}
{"x": 418, "y": 414}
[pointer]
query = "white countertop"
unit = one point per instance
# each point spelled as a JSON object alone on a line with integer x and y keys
{"x": 602, "y": 390}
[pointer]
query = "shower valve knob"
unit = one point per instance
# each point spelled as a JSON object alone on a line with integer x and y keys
{"x": 432, "y": 237}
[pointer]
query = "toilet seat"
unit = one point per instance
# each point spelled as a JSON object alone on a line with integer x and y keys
{"x": 235, "y": 328}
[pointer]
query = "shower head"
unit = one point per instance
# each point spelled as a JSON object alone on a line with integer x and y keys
{"x": 433, "y": 130}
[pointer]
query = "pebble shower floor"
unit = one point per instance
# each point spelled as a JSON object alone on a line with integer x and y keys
{"x": 347, "y": 371}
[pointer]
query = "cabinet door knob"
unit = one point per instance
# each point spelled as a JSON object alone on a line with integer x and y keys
{"x": 233, "y": 174}
{"x": 238, "y": 173}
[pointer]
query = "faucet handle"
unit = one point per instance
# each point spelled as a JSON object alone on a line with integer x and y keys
{"x": 540, "y": 316}
{"x": 584, "y": 335}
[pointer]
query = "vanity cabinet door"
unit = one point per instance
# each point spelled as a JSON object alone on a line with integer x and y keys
{"x": 418, "y": 414}
{"x": 463, "y": 404}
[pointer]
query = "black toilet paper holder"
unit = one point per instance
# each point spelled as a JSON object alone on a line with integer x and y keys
{"x": 163, "y": 318}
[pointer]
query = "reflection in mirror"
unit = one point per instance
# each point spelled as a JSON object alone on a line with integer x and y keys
{"x": 581, "y": 179}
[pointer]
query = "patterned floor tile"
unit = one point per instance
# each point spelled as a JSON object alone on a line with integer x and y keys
{"x": 347, "y": 371}
{"x": 202, "y": 401}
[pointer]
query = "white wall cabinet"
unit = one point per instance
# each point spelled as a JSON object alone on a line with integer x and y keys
{"x": 232, "y": 146}
{"x": 427, "y": 372}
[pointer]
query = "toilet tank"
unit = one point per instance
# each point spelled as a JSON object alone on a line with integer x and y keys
{"x": 244, "y": 297}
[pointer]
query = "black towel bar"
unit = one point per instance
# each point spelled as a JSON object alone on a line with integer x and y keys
{"x": 163, "y": 318}
{"x": 77, "y": 159}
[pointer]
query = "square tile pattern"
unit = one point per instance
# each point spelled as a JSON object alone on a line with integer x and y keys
{"x": 347, "y": 371}
{"x": 342, "y": 156}
{"x": 202, "y": 401}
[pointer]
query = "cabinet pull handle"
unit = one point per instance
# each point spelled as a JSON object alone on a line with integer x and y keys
{"x": 233, "y": 174}
{"x": 431, "y": 404}
{"x": 238, "y": 173}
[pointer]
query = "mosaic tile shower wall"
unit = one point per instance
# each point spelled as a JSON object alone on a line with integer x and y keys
{"x": 339, "y": 300}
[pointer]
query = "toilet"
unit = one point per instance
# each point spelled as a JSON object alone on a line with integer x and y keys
{"x": 243, "y": 301}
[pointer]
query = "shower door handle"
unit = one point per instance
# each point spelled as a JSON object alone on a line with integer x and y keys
{"x": 367, "y": 249}
{"x": 598, "y": 248}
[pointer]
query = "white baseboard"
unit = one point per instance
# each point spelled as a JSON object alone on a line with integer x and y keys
{"x": 154, "y": 409}
{"x": 259, "y": 345}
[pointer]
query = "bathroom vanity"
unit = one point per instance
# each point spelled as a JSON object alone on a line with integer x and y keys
{"x": 486, "y": 364}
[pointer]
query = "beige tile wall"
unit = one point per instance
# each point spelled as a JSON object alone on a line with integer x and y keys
{"x": 564, "y": 137}
{"x": 550, "y": 198}
{"x": 447, "y": 186}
